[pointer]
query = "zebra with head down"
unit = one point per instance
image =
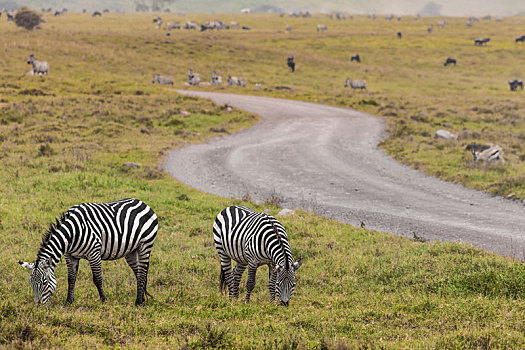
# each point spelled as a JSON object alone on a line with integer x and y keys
{"x": 254, "y": 239}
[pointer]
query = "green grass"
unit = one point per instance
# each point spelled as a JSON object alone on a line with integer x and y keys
{"x": 64, "y": 138}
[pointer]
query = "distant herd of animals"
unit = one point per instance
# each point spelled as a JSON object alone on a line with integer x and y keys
{"x": 127, "y": 228}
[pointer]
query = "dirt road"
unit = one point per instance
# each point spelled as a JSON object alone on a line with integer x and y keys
{"x": 325, "y": 159}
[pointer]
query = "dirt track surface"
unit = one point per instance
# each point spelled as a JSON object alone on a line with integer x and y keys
{"x": 325, "y": 159}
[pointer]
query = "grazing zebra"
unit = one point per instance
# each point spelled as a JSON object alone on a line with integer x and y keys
{"x": 321, "y": 28}
{"x": 515, "y": 83}
{"x": 38, "y": 67}
{"x": 355, "y": 84}
{"x": 95, "y": 231}
{"x": 291, "y": 63}
{"x": 216, "y": 79}
{"x": 355, "y": 58}
{"x": 191, "y": 25}
{"x": 162, "y": 79}
{"x": 193, "y": 78}
{"x": 450, "y": 60}
{"x": 253, "y": 239}
{"x": 236, "y": 81}
{"x": 481, "y": 41}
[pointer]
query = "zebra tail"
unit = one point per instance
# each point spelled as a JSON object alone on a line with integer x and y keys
{"x": 222, "y": 285}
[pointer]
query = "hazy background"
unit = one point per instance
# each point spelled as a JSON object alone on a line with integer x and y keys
{"x": 399, "y": 7}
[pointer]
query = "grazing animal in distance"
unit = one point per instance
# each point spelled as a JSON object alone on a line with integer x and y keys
{"x": 291, "y": 63}
{"x": 253, "y": 239}
{"x": 126, "y": 228}
{"x": 487, "y": 154}
{"x": 193, "y": 78}
{"x": 215, "y": 79}
{"x": 10, "y": 17}
{"x": 355, "y": 84}
{"x": 520, "y": 38}
{"x": 191, "y": 25}
{"x": 481, "y": 41}
{"x": 399, "y": 35}
{"x": 96, "y": 13}
{"x": 162, "y": 79}
{"x": 237, "y": 81}
{"x": 321, "y": 28}
{"x": 288, "y": 28}
{"x": 515, "y": 83}
{"x": 441, "y": 24}
{"x": 430, "y": 28}
{"x": 234, "y": 24}
{"x": 450, "y": 60}
{"x": 246, "y": 28}
{"x": 355, "y": 58}
{"x": 38, "y": 67}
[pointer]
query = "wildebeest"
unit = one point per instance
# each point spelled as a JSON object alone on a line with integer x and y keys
{"x": 215, "y": 79}
{"x": 520, "y": 38}
{"x": 38, "y": 67}
{"x": 481, "y": 41}
{"x": 430, "y": 28}
{"x": 236, "y": 81}
{"x": 355, "y": 58}
{"x": 450, "y": 60}
{"x": 487, "y": 154}
{"x": 246, "y": 28}
{"x": 96, "y": 13}
{"x": 193, "y": 78}
{"x": 321, "y": 28}
{"x": 162, "y": 79}
{"x": 355, "y": 84}
{"x": 291, "y": 63}
{"x": 515, "y": 83}
{"x": 399, "y": 35}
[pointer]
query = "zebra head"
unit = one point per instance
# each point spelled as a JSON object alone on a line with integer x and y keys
{"x": 285, "y": 281}
{"x": 31, "y": 59}
{"x": 42, "y": 279}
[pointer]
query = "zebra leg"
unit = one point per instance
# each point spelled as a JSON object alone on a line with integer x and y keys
{"x": 72, "y": 269}
{"x": 252, "y": 271}
{"x": 96, "y": 269}
{"x": 138, "y": 260}
{"x": 237, "y": 275}
{"x": 272, "y": 276}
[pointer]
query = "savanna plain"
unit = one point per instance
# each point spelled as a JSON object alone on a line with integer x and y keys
{"x": 64, "y": 138}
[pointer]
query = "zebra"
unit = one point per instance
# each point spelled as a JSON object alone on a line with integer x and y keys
{"x": 95, "y": 231}
{"x": 450, "y": 60}
{"x": 38, "y": 67}
{"x": 355, "y": 84}
{"x": 291, "y": 63}
{"x": 162, "y": 79}
{"x": 237, "y": 81}
{"x": 481, "y": 41}
{"x": 253, "y": 239}
{"x": 193, "y": 78}
{"x": 234, "y": 24}
{"x": 216, "y": 79}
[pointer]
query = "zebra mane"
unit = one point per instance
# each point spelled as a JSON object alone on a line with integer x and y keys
{"x": 52, "y": 228}
{"x": 286, "y": 263}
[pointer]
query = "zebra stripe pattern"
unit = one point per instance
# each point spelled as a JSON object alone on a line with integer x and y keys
{"x": 95, "y": 231}
{"x": 253, "y": 239}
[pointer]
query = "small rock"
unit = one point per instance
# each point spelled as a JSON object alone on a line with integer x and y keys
{"x": 285, "y": 212}
{"x": 229, "y": 109}
{"x": 444, "y": 134}
{"x": 447, "y": 125}
{"x": 185, "y": 113}
{"x": 131, "y": 165}
{"x": 511, "y": 195}
{"x": 267, "y": 211}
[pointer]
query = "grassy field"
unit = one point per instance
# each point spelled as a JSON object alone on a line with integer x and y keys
{"x": 64, "y": 138}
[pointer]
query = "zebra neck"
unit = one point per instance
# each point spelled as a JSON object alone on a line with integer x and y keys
{"x": 53, "y": 246}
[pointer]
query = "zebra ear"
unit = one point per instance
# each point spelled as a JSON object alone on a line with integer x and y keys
{"x": 26, "y": 265}
{"x": 298, "y": 264}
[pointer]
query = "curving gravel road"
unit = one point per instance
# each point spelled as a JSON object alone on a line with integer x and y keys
{"x": 325, "y": 159}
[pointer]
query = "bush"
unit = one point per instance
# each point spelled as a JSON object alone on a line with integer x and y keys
{"x": 27, "y": 19}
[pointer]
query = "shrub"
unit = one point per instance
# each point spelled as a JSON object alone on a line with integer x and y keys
{"x": 27, "y": 19}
